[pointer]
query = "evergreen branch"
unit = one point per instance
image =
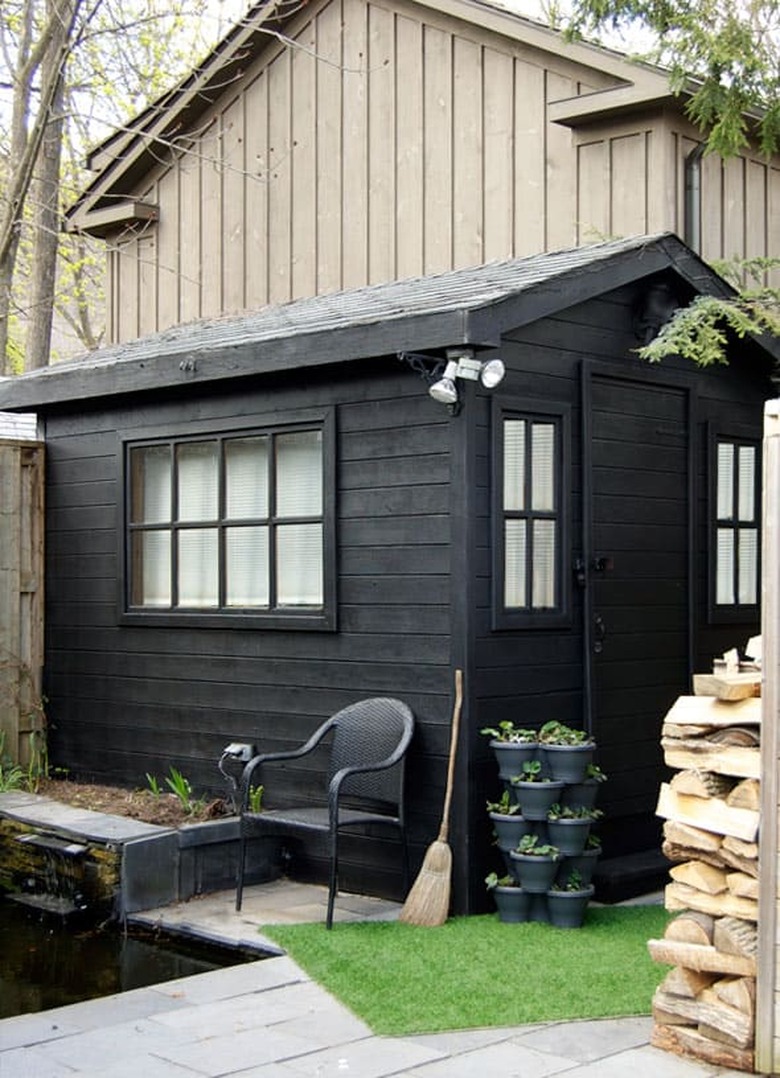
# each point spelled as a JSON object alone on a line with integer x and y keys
{"x": 703, "y": 330}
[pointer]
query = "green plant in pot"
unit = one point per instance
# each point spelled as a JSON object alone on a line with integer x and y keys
{"x": 566, "y": 751}
{"x": 567, "y": 901}
{"x": 512, "y": 746}
{"x": 508, "y": 822}
{"x": 569, "y": 827}
{"x": 512, "y": 902}
{"x": 583, "y": 794}
{"x": 584, "y": 863}
{"x": 534, "y": 791}
{"x": 534, "y": 864}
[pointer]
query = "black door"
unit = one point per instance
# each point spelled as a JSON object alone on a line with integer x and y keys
{"x": 637, "y": 609}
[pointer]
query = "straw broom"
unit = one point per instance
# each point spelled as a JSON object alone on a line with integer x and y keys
{"x": 428, "y": 902}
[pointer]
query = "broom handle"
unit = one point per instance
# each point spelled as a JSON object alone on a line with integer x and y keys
{"x": 445, "y": 818}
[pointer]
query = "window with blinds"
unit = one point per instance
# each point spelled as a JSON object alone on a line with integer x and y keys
{"x": 230, "y": 523}
{"x": 529, "y": 518}
{"x": 735, "y": 527}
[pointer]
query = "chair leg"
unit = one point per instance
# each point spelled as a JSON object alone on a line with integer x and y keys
{"x": 241, "y": 859}
{"x": 334, "y": 876}
{"x": 405, "y": 862}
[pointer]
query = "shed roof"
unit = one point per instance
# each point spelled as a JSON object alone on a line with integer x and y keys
{"x": 472, "y": 306}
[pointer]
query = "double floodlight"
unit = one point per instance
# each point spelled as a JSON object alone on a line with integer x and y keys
{"x": 462, "y": 363}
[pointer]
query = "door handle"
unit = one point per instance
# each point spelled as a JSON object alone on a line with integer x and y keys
{"x": 599, "y": 634}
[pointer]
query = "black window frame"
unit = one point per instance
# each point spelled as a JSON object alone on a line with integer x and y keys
{"x": 323, "y": 618}
{"x": 728, "y": 613}
{"x": 559, "y": 414}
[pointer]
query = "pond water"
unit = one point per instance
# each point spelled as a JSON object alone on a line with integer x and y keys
{"x": 49, "y": 961}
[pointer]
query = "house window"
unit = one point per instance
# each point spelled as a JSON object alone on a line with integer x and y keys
{"x": 735, "y": 549}
{"x": 230, "y": 525}
{"x": 530, "y": 522}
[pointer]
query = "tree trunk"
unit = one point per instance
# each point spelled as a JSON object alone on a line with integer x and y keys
{"x": 6, "y": 280}
{"x": 45, "y": 197}
{"x": 48, "y": 55}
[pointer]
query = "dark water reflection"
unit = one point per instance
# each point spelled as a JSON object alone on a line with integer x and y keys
{"x": 48, "y": 961}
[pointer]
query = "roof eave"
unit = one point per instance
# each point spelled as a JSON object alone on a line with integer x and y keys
{"x": 607, "y": 104}
{"x": 190, "y": 366}
{"x": 110, "y": 219}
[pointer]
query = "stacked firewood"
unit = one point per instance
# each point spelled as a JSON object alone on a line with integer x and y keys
{"x": 705, "y": 1006}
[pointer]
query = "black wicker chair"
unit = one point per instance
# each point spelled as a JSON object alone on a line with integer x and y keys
{"x": 365, "y": 783}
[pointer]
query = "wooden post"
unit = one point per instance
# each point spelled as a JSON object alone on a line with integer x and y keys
{"x": 9, "y": 595}
{"x": 767, "y": 1045}
{"x": 21, "y": 597}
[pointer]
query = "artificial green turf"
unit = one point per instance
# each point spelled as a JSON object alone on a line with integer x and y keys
{"x": 478, "y": 971}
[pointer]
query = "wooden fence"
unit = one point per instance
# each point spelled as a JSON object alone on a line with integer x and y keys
{"x": 22, "y": 723}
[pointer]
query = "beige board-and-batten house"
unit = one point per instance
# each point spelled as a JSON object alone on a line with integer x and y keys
{"x": 337, "y": 143}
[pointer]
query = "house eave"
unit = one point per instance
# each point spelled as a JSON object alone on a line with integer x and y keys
{"x": 606, "y": 105}
{"x": 110, "y": 219}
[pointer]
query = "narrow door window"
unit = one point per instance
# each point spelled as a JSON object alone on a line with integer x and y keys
{"x": 529, "y": 518}
{"x": 735, "y": 528}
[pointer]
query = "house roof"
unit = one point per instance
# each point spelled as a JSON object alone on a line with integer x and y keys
{"x": 471, "y": 306}
{"x": 124, "y": 158}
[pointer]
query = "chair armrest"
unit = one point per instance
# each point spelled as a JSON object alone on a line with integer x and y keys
{"x": 334, "y": 790}
{"x": 272, "y": 757}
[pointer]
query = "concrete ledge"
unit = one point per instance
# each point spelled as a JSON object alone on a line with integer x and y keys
{"x": 157, "y": 866}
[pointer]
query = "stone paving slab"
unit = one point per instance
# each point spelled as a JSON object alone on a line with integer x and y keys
{"x": 30, "y": 1029}
{"x": 457, "y": 1041}
{"x": 506, "y": 1058}
{"x": 234, "y": 1052}
{"x": 584, "y": 1040}
{"x": 32, "y": 1063}
{"x": 94, "y": 1047}
{"x": 141, "y": 1066}
{"x": 374, "y": 1057}
{"x": 232, "y": 982}
{"x": 304, "y": 1001}
{"x": 645, "y": 1062}
{"x": 97, "y": 826}
{"x": 78, "y": 1018}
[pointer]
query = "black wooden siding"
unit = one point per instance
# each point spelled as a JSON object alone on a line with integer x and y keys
{"x": 126, "y": 700}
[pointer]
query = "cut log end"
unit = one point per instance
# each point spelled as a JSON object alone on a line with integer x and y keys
{"x": 689, "y": 1042}
{"x": 691, "y": 927}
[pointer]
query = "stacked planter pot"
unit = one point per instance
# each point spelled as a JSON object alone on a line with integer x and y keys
{"x": 542, "y": 889}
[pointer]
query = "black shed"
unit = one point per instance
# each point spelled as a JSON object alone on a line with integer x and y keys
{"x": 578, "y": 540}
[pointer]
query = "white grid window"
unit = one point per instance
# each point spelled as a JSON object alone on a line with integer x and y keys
{"x": 228, "y": 523}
